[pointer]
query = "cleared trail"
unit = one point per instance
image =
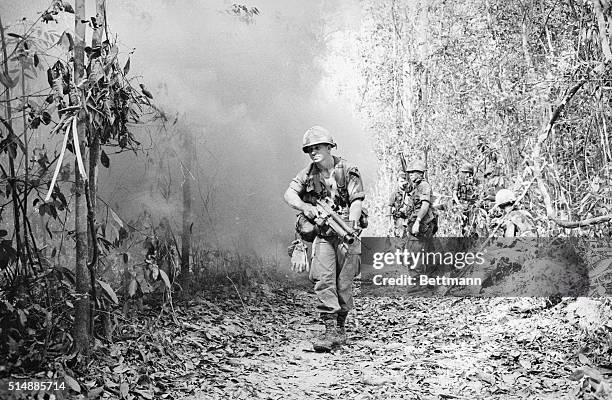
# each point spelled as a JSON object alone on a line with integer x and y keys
{"x": 415, "y": 348}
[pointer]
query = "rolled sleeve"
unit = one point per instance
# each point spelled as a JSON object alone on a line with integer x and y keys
{"x": 424, "y": 191}
{"x": 355, "y": 185}
{"x": 298, "y": 184}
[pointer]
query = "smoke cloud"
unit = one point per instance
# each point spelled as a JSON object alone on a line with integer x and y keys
{"x": 246, "y": 91}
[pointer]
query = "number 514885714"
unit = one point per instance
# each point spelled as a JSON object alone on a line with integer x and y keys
{"x": 36, "y": 385}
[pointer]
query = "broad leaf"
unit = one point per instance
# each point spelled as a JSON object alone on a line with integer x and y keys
{"x": 72, "y": 383}
{"x": 126, "y": 68}
{"x": 104, "y": 159}
{"x": 132, "y": 288}
{"x": 109, "y": 291}
{"x": 164, "y": 277}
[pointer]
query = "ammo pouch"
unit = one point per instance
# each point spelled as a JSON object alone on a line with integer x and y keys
{"x": 432, "y": 223}
{"x": 363, "y": 219}
{"x": 306, "y": 229}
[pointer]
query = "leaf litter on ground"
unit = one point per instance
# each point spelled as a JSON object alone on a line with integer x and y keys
{"x": 434, "y": 348}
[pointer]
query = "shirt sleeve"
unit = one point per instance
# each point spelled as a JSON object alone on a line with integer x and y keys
{"x": 298, "y": 184}
{"x": 354, "y": 185}
{"x": 424, "y": 191}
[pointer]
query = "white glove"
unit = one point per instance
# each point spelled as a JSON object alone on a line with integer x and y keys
{"x": 416, "y": 227}
{"x": 299, "y": 257}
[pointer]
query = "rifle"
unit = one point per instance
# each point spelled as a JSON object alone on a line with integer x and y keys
{"x": 407, "y": 187}
{"x": 404, "y": 163}
{"x": 327, "y": 216}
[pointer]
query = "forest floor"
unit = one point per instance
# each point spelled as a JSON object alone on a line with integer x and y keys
{"x": 257, "y": 347}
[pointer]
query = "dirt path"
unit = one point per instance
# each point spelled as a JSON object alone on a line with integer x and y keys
{"x": 414, "y": 348}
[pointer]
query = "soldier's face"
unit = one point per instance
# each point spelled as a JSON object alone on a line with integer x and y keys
{"x": 319, "y": 152}
{"x": 465, "y": 174}
{"x": 414, "y": 176}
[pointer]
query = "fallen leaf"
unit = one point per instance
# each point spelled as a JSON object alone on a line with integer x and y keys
{"x": 485, "y": 376}
{"x": 584, "y": 359}
{"x": 95, "y": 393}
{"x": 593, "y": 374}
{"x": 124, "y": 389}
{"x": 147, "y": 394}
{"x": 577, "y": 375}
{"x": 374, "y": 380}
{"x": 525, "y": 363}
{"x": 72, "y": 383}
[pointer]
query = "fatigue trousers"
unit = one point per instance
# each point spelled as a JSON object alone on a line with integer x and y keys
{"x": 417, "y": 244}
{"x": 404, "y": 236}
{"x": 334, "y": 265}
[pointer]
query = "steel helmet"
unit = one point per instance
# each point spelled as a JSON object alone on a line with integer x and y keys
{"x": 467, "y": 167}
{"x": 416, "y": 165}
{"x": 317, "y": 135}
{"x": 504, "y": 196}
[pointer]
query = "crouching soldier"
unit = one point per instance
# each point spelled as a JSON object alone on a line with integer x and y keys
{"x": 512, "y": 222}
{"x": 334, "y": 262}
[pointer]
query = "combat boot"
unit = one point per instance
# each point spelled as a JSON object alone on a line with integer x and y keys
{"x": 340, "y": 337}
{"x": 325, "y": 342}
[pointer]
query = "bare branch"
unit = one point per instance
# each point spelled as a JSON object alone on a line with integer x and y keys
{"x": 585, "y": 222}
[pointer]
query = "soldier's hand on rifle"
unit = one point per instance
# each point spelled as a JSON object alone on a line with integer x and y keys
{"x": 310, "y": 211}
{"x": 416, "y": 227}
{"x": 356, "y": 227}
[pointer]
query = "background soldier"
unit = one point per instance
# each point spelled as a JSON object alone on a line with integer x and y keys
{"x": 513, "y": 222}
{"x": 492, "y": 184}
{"x": 422, "y": 222}
{"x": 397, "y": 209}
{"x": 465, "y": 195}
{"x": 334, "y": 262}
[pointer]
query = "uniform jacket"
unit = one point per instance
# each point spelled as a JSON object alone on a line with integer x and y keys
{"x": 466, "y": 189}
{"x": 310, "y": 185}
{"x": 420, "y": 192}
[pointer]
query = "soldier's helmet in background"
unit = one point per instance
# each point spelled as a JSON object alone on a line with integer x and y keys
{"x": 416, "y": 165}
{"x": 467, "y": 167}
{"x": 504, "y": 196}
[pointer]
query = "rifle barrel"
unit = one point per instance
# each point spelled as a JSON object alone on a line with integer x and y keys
{"x": 345, "y": 235}
{"x": 334, "y": 221}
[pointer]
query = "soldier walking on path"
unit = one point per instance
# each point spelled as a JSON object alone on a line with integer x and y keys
{"x": 422, "y": 221}
{"x": 335, "y": 262}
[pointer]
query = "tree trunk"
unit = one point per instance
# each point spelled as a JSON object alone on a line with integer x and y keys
{"x": 27, "y": 166}
{"x": 94, "y": 156}
{"x": 603, "y": 34}
{"x": 185, "y": 276}
{"x": 81, "y": 311}
{"x": 11, "y": 179}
